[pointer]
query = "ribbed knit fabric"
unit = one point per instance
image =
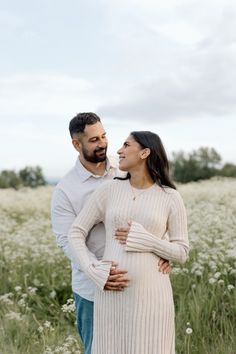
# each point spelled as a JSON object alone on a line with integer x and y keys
{"x": 139, "y": 320}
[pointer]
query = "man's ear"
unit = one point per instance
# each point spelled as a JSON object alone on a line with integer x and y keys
{"x": 76, "y": 144}
{"x": 145, "y": 153}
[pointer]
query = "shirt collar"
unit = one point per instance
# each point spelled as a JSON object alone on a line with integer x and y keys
{"x": 84, "y": 174}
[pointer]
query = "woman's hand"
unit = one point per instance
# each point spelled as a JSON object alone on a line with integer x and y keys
{"x": 121, "y": 234}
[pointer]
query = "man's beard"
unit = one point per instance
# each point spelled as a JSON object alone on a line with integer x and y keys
{"x": 93, "y": 157}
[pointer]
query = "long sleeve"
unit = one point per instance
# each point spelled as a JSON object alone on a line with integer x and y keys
{"x": 176, "y": 248}
{"x": 91, "y": 214}
{"x": 62, "y": 216}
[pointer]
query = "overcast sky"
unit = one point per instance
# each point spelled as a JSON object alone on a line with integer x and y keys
{"x": 163, "y": 65}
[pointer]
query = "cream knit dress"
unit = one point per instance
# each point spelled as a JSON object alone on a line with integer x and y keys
{"x": 140, "y": 319}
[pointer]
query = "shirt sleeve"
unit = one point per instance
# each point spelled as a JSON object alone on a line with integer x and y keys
{"x": 92, "y": 213}
{"x": 176, "y": 248}
{"x": 62, "y": 217}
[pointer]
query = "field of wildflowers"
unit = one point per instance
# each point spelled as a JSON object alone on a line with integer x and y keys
{"x": 36, "y": 304}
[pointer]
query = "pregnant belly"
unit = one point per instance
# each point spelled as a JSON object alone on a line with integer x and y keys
{"x": 144, "y": 275}
{"x": 139, "y": 264}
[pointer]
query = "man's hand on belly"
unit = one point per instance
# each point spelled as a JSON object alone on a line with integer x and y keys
{"x": 164, "y": 266}
{"x": 117, "y": 280}
{"x": 121, "y": 234}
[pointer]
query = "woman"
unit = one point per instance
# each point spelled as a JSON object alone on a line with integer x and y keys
{"x": 137, "y": 212}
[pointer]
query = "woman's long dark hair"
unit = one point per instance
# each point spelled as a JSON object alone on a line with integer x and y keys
{"x": 157, "y": 162}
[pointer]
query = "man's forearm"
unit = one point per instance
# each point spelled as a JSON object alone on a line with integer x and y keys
{"x": 63, "y": 243}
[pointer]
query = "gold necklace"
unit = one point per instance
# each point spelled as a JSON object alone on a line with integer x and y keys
{"x": 138, "y": 195}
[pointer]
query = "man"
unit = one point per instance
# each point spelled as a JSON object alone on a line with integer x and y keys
{"x": 92, "y": 168}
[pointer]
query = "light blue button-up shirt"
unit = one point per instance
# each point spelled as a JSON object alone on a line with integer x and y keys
{"x": 68, "y": 199}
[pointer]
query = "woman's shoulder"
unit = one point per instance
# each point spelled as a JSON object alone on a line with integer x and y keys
{"x": 171, "y": 193}
{"x": 170, "y": 190}
{"x": 175, "y": 200}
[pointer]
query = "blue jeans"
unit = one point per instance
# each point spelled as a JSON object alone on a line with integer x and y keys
{"x": 84, "y": 319}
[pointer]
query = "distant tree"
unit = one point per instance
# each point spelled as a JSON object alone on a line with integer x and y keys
{"x": 206, "y": 157}
{"x": 228, "y": 170}
{"x": 32, "y": 176}
{"x": 194, "y": 166}
{"x": 182, "y": 167}
{"x": 28, "y": 177}
{"x": 9, "y": 179}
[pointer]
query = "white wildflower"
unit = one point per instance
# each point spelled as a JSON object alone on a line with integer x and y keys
{"x": 47, "y": 324}
{"x": 217, "y": 275}
{"x": 230, "y": 287}
{"x": 40, "y": 329}
{"x": 212, "y": 281}
{"x": 21, "y": 302}
{"x": 16, "y": 316}
{"x": 18, "y": 289}
{"x": 52, "y": 294}
{"x": 6, "y": 299}
{"x": 189, "y": 330}
{"x": 69, "y": 306}
{"x": 32, "y": 290}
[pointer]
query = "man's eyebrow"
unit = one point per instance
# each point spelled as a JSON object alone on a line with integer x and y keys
{"x": 96, "y": 136}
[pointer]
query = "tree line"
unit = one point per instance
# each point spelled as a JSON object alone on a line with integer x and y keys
{"x": 200, "y": 164}
{"x": 26, "y": 177}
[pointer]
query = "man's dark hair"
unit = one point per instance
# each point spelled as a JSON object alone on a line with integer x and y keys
{"x": 79, "y": 122}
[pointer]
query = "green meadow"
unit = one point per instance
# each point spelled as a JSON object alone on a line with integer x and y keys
{"x": 36, "y": 302}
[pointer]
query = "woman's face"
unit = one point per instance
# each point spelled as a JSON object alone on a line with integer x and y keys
{"x": 130, "y": 154}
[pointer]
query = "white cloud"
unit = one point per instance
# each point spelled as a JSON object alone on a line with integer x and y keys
{"x": 202, "y": 88}
{"x": 10, "y": 21}
{"x": 44, "y": 94}
{"x": 180, "y": 32}
{"x": 195, "y": 67}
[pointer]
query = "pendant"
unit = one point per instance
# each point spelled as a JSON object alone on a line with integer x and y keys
{"x": 134, "y": 198}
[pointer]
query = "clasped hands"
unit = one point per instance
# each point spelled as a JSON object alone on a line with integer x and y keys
{"x": 117, "y": 279}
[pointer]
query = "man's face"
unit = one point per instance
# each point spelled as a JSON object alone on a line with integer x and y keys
{"x": 93, "y": 143}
